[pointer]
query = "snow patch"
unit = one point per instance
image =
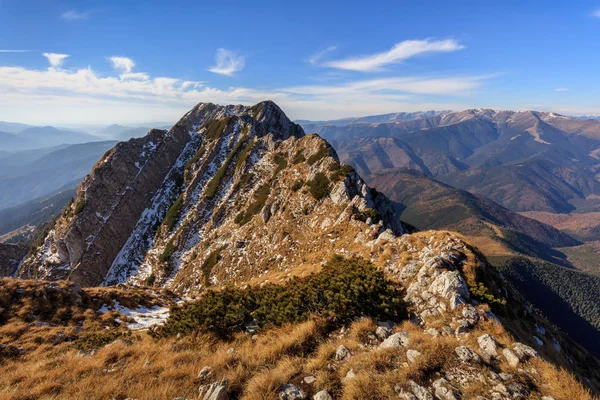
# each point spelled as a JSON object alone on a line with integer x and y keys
{"x": 144, "y": 317}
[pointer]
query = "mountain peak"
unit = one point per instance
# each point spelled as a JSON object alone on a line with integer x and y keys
{"x": 159, "y": 207}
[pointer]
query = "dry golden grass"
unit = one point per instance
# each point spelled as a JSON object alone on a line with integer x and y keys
{"x": 144, "y": 368}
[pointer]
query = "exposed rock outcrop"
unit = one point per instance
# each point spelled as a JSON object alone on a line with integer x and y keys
{"x": 11, "y": 256}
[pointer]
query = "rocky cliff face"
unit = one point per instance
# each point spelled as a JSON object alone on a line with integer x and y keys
{"x": 11, "y": 256}
{"x": 237, "y": 186}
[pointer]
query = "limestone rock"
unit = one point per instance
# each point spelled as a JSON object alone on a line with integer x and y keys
{"x": 488, "y": 344}
{"x": 342, "y": 353}
{"x": 449, "y": 283}
{"x": 511, "y": 357}
{"x": 412, "y": 355}
{"x": 399, "y": 339}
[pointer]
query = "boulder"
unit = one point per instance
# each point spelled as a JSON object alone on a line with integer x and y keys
{"x": 342, "y": 353}
{"x": 488, "y": 345}
{"x": 511, "y": 357}
{"x": 523, "y": 351}
{"x": 399, "y": 339}
{"x": 383, "y": 332}
{"x": 448, "y": 284}
{"x": 216, "y": 391}
{"x": 412, "y": 355}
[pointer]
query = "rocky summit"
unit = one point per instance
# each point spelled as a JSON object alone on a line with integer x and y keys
{"x": 261, "y": 267}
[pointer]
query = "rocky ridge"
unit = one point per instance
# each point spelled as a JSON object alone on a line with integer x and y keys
{"x": 236, "y": 186}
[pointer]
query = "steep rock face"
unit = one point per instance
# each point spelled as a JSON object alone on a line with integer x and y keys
{"x": 10, "y": 257}
{"x": 242, "y": 185}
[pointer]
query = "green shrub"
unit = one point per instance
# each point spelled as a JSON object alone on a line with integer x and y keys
{"x": 210, "y": 262}
{"x": 319, "y": 155}
{"x": 215, "y": 127}
{"x": 79, "y": 206}
{"x": 298, "y": 157}
{"x": 298, "y": 185}
{"x": 241, "y": 161}
{"x": 281, "y": 161}
{"x": 256, "y": 109}
{"x": 345, "y": 289}
{"x": 173, "y": 214}
{"x": 482, "y": 294}
{"x": 193, "y": 161}
{"x": 364, "y": 215}
{"x": 213, "y": 185}
{"x": 339, "y": 171}
{"x": 319, "y": 186}
{"x": 261, "y": 196}
{"x": 168, "y": 251}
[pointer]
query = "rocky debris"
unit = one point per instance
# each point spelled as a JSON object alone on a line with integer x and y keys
{"x": 309, "y": 380}
{"x": 488, "y": 345}
{"x": 399, "y": 339}
{"x": 342, "y": 353}
{"x": 467, "y": 355}
{"x": 322, "y": 395}
{"x": 442, "y": 391}
{"x": 412, "y": 355}
{"x": 419, "y": 391}
{"x": 215, "y": 391}
{"x": 204, "y": 373}
{"x": 291, "y": 392}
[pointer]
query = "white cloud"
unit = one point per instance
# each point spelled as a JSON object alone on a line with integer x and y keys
{"x": 315, "y": 58}
{"x": 55, "y": 59}
{"x": 228, "y": 63}
{"x": 76, "y": 16}
{"x": 60, "y": 95}
{"x": 561, "y": 89}
{"x": 15, "y": 51}
{"x": 596, "y": 13}
{"x": 400, "y": 52}
{"x": 123, "y": 65}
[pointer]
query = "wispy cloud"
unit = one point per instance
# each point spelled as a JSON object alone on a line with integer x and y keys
{"x": 55, "y": 59}
{"x": 123, "y": 65}
{"x": 561, "y": 89}
{"x": 228, "y": 62}
{"x": 400, "y": 52}
{"x": 596, "y": 13}
{"x": 72, "y": 15}
{"x": 315, "y": 58}
{"x": 14, "y": 51}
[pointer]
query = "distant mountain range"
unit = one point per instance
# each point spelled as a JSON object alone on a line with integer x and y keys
{"x": 27, "y": 175}
{"x": 16, "y": 136}
{"x": 392, "y": 117}
{"x": 525, "y": 161}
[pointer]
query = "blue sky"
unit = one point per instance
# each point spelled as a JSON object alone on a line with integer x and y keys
{"x": 94, "y": 62}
